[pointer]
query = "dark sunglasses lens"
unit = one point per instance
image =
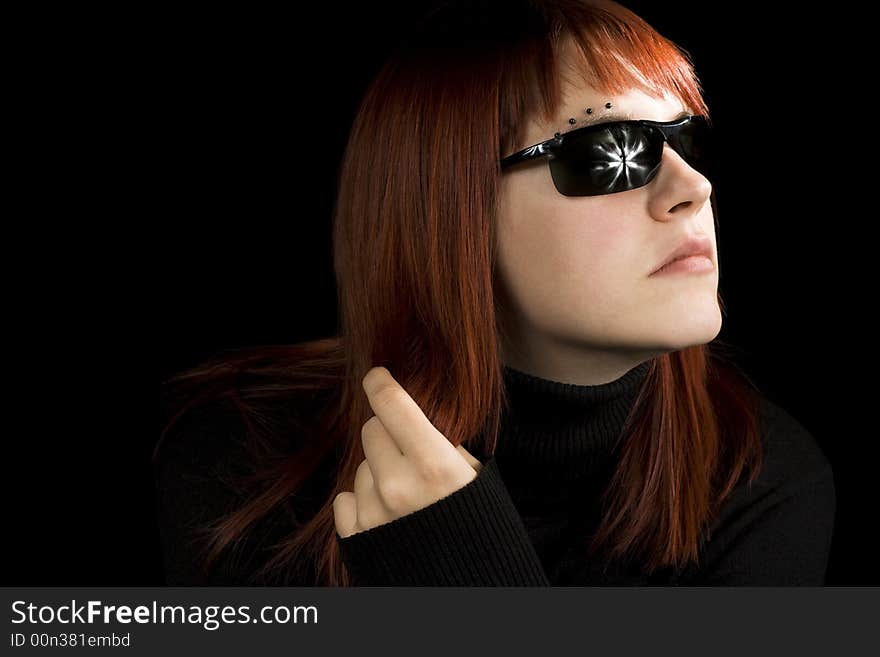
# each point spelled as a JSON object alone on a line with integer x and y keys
{"x": 605, "y": 161}
{"x": 693, "y": 141}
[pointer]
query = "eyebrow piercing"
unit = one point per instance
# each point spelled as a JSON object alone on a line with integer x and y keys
{"x": 588, "y": 110}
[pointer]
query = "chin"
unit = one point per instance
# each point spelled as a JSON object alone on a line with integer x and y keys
{"x": 672, "y": 333}
{"x": 694, "y": 332}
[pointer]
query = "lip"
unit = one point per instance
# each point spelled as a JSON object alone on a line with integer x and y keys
{"x": 693, "y": 254}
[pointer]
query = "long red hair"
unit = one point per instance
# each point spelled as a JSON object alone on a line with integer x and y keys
{"x": 413, "y": 240}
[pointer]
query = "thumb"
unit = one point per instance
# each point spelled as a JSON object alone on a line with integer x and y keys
{"x": 474, "y": 463}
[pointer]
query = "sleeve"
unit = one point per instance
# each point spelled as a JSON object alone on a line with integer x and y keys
{"x": 472, "y": 537}
{"x": 785, "y": 542}
{"x": 194, "y": 478}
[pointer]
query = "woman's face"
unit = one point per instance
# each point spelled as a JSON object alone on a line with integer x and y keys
{"x": 581, "y": 304}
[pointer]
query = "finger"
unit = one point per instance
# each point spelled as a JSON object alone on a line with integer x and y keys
{"x": 369, "y": 505}
{"x": 382, "y": 453}
{"x": 405, "y": 422}
{"x": 474, "y": 462}
{"x": 345, "y": 513}
{"x": 363, "y": 483}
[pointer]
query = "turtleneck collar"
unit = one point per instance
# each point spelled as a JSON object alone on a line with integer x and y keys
{"x": 554, "y": 433}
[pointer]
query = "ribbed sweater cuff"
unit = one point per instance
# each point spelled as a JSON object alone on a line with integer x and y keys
{"x": 472, "y": 537}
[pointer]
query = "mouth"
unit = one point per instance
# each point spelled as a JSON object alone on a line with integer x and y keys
{"x": 693, "y": 254}
{"x": 695, "y": 264}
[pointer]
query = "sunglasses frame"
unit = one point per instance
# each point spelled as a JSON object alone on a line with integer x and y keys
{"x": 549, "y": 147}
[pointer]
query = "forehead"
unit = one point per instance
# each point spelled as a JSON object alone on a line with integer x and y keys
{"x": 579, "y": 97}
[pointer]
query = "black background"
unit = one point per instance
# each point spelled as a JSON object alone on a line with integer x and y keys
{"x": 202, "y": 221}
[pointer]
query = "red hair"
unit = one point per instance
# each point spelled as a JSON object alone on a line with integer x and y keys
{"x": 413, "y": 240}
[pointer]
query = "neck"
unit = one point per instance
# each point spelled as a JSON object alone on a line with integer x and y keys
{"x": 556, "y": 361}
{"x": 554, "y": 433}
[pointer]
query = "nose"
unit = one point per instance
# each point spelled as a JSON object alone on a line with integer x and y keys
{"x": 679, "y": 190}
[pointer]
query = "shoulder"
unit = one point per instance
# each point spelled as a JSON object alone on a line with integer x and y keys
{"x": 776, "y": 529}
{"x": 793, "y": 457}
{"x": 206, "y": 467}
{"x": 223, "y": 448}
{"x": 202, "y": 444}
{"x": 204, "y": 424}
{"x": 795, "y": 478}
{"x": 197, "y": 465}
{"x": 222, "y": 430}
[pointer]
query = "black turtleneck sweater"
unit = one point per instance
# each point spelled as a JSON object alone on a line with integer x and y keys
{"x": 524, "y": 519}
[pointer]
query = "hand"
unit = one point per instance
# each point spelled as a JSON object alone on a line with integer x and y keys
{"x": 409, "y": 464}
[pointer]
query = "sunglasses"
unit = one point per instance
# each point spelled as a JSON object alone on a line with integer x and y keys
{"x": 618, "y": 156}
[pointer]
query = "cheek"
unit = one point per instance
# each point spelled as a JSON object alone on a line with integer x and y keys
{"x": 588, "y": 241}
{"x": 563, "y": 252}
{"x": 594, "y": 243}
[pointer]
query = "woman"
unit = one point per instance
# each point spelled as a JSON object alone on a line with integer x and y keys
{"x": 527, "y": 388}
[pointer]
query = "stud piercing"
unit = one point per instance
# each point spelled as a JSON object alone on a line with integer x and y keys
{"x": 588, "y": 110}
